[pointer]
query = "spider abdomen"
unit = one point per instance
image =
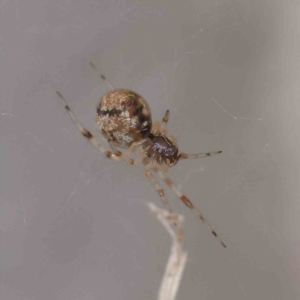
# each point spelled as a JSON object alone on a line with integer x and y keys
{"x": 124, "y": 117}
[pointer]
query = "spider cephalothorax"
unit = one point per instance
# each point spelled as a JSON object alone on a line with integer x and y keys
{"x": 162, "y": 150}
{"x": 124, "y": 119}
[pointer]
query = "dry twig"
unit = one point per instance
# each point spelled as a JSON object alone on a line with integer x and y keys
{"x": 177, "y": 259}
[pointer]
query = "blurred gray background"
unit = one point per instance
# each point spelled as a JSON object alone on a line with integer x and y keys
{"x": 75, "y": 225}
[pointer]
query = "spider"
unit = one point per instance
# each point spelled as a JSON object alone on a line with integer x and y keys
{"x": 124, "y": 120}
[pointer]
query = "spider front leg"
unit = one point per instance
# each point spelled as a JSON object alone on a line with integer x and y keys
{"x": 189, "y": 204}
{"x": 199, "y": 155}
{"x": 165, "y": 120}
{"x": 159, "y": 128}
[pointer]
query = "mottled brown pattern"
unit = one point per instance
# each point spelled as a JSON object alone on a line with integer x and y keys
{"x": 124, "y": 117}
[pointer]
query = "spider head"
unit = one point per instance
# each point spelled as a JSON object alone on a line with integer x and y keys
{"x": 171, "y": 155}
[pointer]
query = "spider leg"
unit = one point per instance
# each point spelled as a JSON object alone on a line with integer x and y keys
{"x": 113, "y": 148}
{"x": 159, "y": 189}
{"x": 165, "y": 119}
{"x": 156, "y": 128}
{"x": 118, "y": 156}
{"x": 199, "y": 155}
{"x": 189, "y": 204}
{"x": 134, "y": 146}
{"x": 141, "y": 158}
{"x": 102, "y": 77}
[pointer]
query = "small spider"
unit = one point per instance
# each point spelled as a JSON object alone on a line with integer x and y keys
{"x": 124, "y": 119}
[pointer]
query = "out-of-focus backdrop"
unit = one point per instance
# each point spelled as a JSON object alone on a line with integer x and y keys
{"x": 75, "y": 225}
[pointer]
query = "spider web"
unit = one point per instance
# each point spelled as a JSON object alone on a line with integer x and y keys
{"x": 76, "y": 222}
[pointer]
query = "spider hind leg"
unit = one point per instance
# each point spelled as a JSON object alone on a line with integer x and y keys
{"x": 189, "y": 204}
{"x": 159, "y": 190}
